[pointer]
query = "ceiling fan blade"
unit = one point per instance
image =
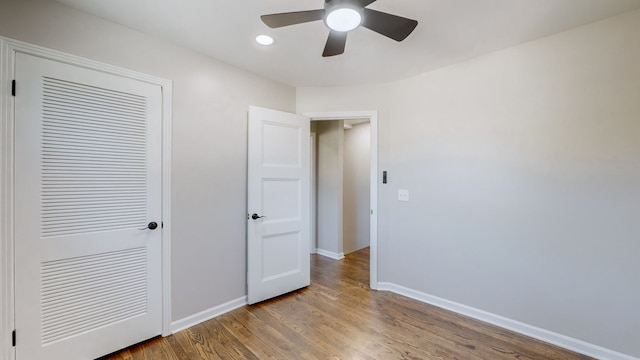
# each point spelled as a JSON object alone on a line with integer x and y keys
{"x": 292, "y": 18}
{"x": 366, "y": 2}
{"x": 391, "y": 26}
{"x": 335, "y": 43}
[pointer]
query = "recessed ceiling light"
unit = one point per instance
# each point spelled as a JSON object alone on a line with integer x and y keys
{"x": 343, "y": 19}
{"x": 264, "y": 40}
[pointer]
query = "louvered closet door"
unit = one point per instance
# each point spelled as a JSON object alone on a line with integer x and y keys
{"x": 88, "y": 178}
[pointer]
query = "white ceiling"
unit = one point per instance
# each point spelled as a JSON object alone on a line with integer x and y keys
{"x": 449, "y": 31}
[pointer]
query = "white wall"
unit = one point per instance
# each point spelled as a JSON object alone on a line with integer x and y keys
{"x": 356, "y": 199}
{"x": 209, "y": 139}
{"x": 330, "y": 142}
{"x": 524, "y": 176}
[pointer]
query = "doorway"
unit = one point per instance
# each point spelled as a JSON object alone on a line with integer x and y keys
{"x": 355, "y": 185}
{"x": 356, "y": 117}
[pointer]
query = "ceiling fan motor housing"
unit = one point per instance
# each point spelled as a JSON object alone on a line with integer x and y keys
{"x": 354, "y": 3}
{"x": 331, "y": 5}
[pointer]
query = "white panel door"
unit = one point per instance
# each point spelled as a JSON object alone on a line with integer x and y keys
{"x": 278, "y": 204}
{"x": 88, "y": 179}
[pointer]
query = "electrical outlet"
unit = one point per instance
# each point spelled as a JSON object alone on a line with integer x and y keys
{"x": 403, "y": 195}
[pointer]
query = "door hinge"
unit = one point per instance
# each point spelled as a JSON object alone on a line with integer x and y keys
{"x": 13, "y": 338}
{"x": 13, "y": 88}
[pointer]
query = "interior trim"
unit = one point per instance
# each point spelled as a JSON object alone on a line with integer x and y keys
{"x": 330, "y": 254}
{"x": 551, "y": 337}
{"x": 7, "y": 325}
{"x": 208, "y": 314}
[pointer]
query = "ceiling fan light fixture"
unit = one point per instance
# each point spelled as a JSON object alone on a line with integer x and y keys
{"x": 343, "y": 19}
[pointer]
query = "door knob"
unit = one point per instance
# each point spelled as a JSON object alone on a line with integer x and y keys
{"x": 152, "y": 226}
{"x": 256, "y": 216}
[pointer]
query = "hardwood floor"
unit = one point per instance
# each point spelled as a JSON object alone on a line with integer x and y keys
{"x": 338, "y": 317}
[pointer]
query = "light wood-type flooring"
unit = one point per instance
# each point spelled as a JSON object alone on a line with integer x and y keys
{"x": 338, "y": 317}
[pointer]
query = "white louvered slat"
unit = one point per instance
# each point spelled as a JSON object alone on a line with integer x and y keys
{"x": 84, "y": 293}
{"x": 93, "y": 153}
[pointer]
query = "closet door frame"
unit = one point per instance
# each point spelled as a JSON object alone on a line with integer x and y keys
{"x": 8, "y": 50}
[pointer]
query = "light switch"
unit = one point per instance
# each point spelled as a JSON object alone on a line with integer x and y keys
{"x": 403, "y": 195}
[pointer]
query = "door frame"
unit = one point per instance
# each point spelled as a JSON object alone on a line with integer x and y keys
{"x": 313, "y": 246}
{"x": 8, "y": 50}
{"x": 373, "y": 180}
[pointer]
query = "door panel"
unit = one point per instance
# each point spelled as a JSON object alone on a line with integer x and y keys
{"x": 88, "y": 177}
{"x": 278, "y": 189}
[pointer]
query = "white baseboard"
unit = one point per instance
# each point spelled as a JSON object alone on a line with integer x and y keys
{"x": 330, "y": 254}
{"x": 208, "y": 314}
{"x": 566, "y": 342}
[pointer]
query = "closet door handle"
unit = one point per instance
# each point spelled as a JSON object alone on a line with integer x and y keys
{"x": 152, "y": 226}
{"x": 256, "y": 216}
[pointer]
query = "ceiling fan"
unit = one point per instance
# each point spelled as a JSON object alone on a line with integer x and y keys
{"x": 342, "y": 16}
